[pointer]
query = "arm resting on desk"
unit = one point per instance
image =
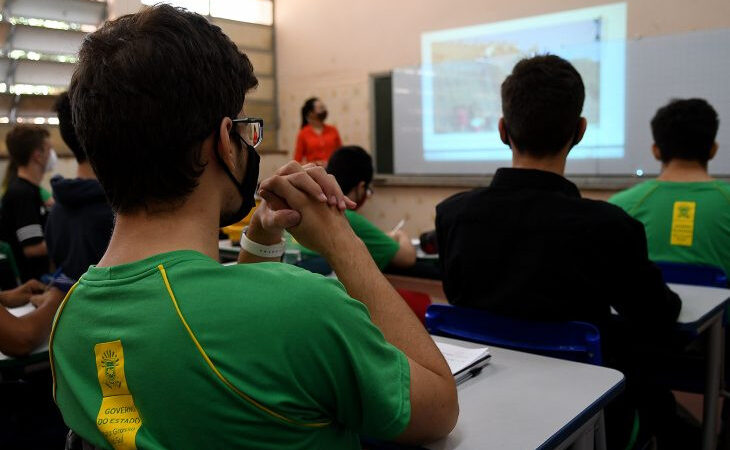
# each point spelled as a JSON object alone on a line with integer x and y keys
{"x": 638, "y": 290}
{"x": 21, "y": 335}
{"x": 406, "y": 254}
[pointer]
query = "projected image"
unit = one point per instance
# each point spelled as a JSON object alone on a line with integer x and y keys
{"x": 464, "y": 68}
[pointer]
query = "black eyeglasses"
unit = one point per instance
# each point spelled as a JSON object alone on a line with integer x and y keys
{"x": 250, "y": 129}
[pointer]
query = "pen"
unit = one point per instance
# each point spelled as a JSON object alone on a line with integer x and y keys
{"x": 399, "y": 226}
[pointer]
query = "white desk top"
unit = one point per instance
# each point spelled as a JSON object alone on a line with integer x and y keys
{"x": 698, "y": 301}
{"x": 520, "y": 401}
{"x": 19, "y": 312}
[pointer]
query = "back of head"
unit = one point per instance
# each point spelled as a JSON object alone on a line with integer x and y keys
{"x": 350, "y": 165}
{"x": 22, "y": 140}
{"x": 66, "y": 126}
{"x": 307, "y": 108}
{"x": 685, "y": 129}
{"x": 542, "y": 100}
{"x": 148, "y": 89}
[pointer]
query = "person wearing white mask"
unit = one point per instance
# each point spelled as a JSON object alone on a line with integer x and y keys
{"x": 24, "y": 213}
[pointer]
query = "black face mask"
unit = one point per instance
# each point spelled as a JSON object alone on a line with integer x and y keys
{"x": 247, "y": 188}
{"x": 321, "y": 116}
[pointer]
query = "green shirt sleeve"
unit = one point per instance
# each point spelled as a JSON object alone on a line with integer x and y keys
{"x": 381, "y": 246}
{"x": 364, "y": 379}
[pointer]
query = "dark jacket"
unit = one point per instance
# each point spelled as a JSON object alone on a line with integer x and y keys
{"x": 79, "y": 225}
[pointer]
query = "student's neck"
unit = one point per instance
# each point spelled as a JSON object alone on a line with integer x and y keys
{"x": 554, "y": 164}
{"x": 681, "y": 170}
{"x": 84, "y": 171}
{"x": 31, "y": 173}
{"x": 316, "y": 124}
{"x": 140, "y": 235}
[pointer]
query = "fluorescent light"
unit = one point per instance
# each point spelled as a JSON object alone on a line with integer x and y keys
{"x": 39, "y": 120}
{"x": 53, "y": 121}
{"x": 252, "y": 11}
{"x": 35, "y": 89}
{"x": 52, "y": 24}
{"x": 4, "y": 119}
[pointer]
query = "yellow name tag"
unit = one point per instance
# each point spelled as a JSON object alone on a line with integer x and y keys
{"x": 683, "y": 223}
{"x": 118, "y": 419}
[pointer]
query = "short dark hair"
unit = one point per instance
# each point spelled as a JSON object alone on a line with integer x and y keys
{"x": 350, "y": 165}
{"x": 542, "y": 100}
{"x": 685, "y": 129}
{"x": 22, "y": 140}
{"x": 307, "y": 108}
{"x": 149, "y": 88}
{"x": 66, "y": 126}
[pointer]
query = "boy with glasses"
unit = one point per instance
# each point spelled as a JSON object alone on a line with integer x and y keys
{"x": 159, "y": 345}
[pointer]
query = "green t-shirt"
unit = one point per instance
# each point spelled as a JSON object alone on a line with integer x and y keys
{"x": 45, "y": 194}
{"x": 178, "y": 351}
{"x": 684, "y": 222}
{"x": 381, "y": 246}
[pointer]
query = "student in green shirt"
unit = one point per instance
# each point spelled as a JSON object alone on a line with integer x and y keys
{"x": 159, "y": 346}
{"x": 685, "y": 211}
{"x": 352, "y": 167}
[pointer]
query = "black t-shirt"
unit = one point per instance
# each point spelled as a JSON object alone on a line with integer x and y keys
{"x": 22, "y": 222}
{"x": 529, "y": 246}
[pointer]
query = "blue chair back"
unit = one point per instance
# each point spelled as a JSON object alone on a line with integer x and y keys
{"x": 574, "y": 341}
{"x": 694, "y": 274}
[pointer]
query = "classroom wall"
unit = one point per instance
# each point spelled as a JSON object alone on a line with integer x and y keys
{"x": 327, "y": 48}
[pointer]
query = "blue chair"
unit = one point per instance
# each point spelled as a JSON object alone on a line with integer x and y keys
{"x": 574, "y": 341}
{"x": 694, "y": 274}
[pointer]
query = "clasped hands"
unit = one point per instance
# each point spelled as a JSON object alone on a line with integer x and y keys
{"x": 305, "y": 200}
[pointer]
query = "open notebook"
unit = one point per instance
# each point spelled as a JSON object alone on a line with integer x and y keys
{"x": 464, "y": 362}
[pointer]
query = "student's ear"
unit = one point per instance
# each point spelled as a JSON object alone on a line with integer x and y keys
{"x": 657, "y": 153}
{"x": 360, "y": 191}
{"x": 225, "y": 148}
{"x": 503, "y": 133}
{"x": 38, "y": 156}
{"x": 713, "y": 150}
{"x": 580, "y": 131}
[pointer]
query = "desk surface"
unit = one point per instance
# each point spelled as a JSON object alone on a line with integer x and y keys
{"x": 522, "y": 401}
{"x": 699, "y": 302}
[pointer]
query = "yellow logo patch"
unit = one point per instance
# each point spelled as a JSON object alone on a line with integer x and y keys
{"x": 683, "y": 223}
{"x": 118, "y": 419}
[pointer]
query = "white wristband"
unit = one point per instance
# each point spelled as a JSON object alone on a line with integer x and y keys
{"x": 263, "y": 251}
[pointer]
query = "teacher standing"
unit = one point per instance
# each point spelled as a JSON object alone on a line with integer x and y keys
{"x": 316, "y": 141}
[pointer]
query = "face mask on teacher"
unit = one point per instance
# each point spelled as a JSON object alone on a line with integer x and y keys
{"x": 322, "y": 116}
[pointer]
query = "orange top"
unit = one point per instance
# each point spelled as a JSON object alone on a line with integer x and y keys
{"x": 313, "y": 146}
